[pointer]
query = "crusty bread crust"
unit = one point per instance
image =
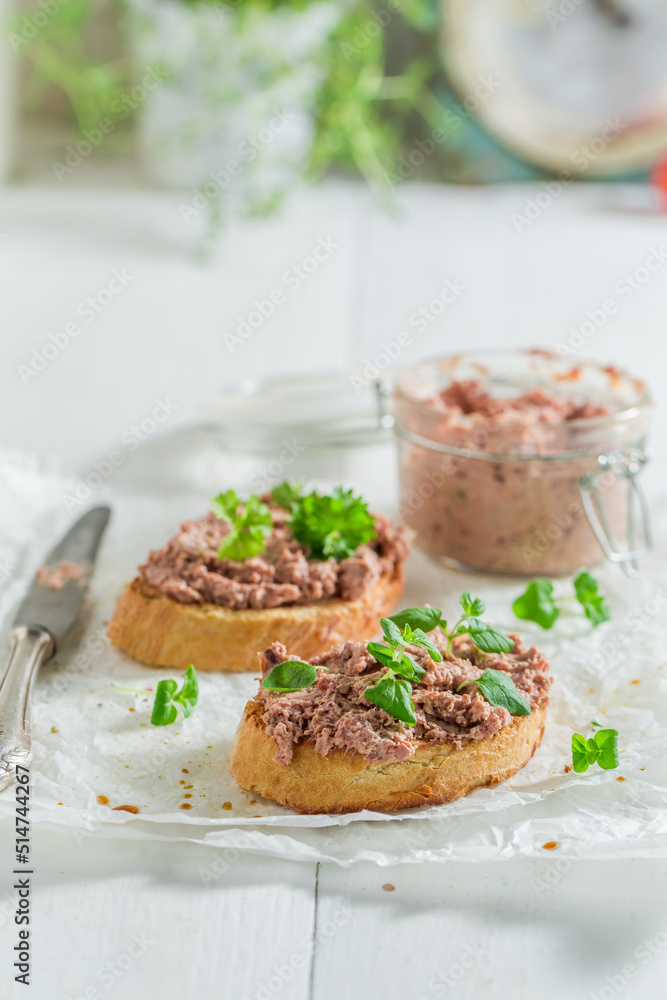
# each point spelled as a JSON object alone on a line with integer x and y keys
{"x": 345, "y": 782}
{"x": 160, "y": 632}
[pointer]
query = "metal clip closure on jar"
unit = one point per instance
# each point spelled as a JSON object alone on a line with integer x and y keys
{"x": 625, "y": 464}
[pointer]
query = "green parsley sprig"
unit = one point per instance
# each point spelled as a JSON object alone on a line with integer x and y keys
{"x": 601, "y": 749}
{"x": 332, "y": 525}
{"x": 538, "y": 604}
{"x": 250, "y": 522}
{"x": 393, "y": 692}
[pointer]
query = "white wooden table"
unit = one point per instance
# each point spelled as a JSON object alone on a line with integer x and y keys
{"x": 124, "y": 919}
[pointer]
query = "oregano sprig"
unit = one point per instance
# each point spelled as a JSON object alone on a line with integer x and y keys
{"x": 393, "y": 691}
{"x": 538, "y": 604}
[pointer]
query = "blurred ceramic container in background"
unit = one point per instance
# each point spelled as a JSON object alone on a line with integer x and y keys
{"x": 522, "y": 462}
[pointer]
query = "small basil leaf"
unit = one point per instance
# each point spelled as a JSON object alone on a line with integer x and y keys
{"x": 394, "y": 695}
{"x": 291, "y": 675}
{"x": 488, "y": 639}
{"x": 391, "y": 631}
{"x": 419, "y": 638}
{"x": 536, "y": 604}
{"x": 164, "y": 710}
{"x": 424, "y": 618}
{"x": 499, "y": 689}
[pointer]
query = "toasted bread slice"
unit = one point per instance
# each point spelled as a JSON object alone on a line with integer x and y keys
{"x": 161, "y": 632}
{"x": 344, "y": 782}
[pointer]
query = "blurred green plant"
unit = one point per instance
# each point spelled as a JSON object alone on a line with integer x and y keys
{"x": 362, "y": 115}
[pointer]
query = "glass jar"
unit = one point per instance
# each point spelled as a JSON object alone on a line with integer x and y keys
{"x": 523, "y": 494}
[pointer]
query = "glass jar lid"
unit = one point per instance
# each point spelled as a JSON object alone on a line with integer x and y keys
{"x": 322, "y": 410}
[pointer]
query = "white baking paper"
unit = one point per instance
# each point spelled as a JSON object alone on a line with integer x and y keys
{"x": 92, "y": 739}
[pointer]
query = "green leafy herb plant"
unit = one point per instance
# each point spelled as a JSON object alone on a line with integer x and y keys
{"x": 538, "y": 604}
{"x": 600, "y": 749}
{"x": 393, "y": 691}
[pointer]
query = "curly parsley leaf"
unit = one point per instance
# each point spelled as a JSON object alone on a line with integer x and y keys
{"x": 394, "y": 695}
{"x": 291, "y": 675}
{"x": 424, "y": 618}
{"x": 592, "y": 601}
{"x": 168, "y": 697}
{"x": 537, "y": 604}
{"x": 250, "y": 523}
{"x": 499, "y": 689}
{"x": 287, "y": 493}
{"x": 601, "y": 749}
{"x": 334, "y": 526}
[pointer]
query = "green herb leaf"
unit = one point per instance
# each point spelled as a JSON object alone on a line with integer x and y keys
{"x": 164, "y": 710}
{"x": 472, "y": 605}
{"x": 602, "y": 748}
{"x": 419, "y": 638}
{"x": 394, "y": 695}
{"x": 226, "y": 505}
{"x": 391, "y": 631}
{"x": 424, "y": 618}
{"x": 607, "y": 741}
{"x": 188, "y": 696}
{"x": 287, "y": 493}
{"x": 536, "y": 604}
{"x": 291, "y": 675}
{"x": 167, "y": 698}
{"x": 332, "y": 526}
{"x": 487, "y": 638}
{"x": 382, "y": 651}
{"x": 579, "y": 753}
{"x": 251, "y": 525}
{"x": 498, "y": 688}
{"x": 593, "y": 602}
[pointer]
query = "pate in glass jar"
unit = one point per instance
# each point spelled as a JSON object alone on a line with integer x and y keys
{"x": 522, "y": 462}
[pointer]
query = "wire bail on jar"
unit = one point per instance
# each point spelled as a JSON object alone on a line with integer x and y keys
{"x": 627, "y": 464}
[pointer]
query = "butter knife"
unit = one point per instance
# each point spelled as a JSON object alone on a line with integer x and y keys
{"x": 49, "y": 610}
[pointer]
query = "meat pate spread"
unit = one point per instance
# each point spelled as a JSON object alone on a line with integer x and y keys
{"x": 335, "y": 714}
{"x": 188, "y": 570}
{"x": 55, "y": 577}
{"x": 512, "y": 503}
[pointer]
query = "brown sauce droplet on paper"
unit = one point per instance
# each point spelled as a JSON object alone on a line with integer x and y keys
{"x": 185, "y": 805}
{"x": 388, "y": 887}
{"x": 103, "y": 800}
{"x": 550, "y": 845}
{"x": 227, "y": 805}
{"x": 127, "y": 809}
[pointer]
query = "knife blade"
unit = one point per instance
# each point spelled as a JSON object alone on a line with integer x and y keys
{"x": 44, "y": 618}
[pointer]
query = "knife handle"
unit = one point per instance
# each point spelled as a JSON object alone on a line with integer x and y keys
{"x": 30, "y": 645}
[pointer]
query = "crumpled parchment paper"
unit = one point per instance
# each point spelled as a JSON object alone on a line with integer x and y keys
{"x": 92, "y": 739}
